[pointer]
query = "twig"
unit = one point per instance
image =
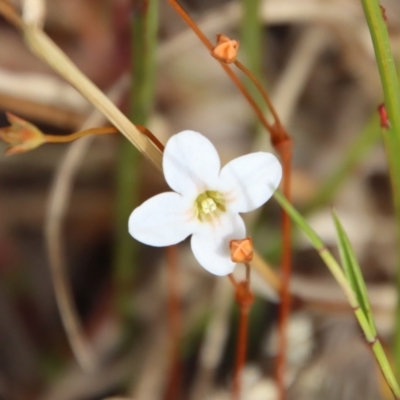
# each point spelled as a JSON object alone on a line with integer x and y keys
{"x": 58, "y": 201}
{"x": 244, "y": 298}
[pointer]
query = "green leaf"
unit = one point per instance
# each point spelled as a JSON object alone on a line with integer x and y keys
{"x": 353, "y": 272}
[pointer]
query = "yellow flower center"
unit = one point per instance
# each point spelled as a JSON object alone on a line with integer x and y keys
{"x": 209, "y": 204}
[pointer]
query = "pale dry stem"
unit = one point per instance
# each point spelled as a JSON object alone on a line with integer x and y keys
{"x": 56, "y": 210}
{"x": 34, "y": 12}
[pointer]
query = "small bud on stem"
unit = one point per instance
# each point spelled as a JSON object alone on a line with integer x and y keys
{"x": 241, "y": 250}
{"x": 226, "y": 49}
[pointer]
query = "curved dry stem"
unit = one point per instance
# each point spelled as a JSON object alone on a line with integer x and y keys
{"x": 56, "y": 210}
{"x": 57, "y": 207}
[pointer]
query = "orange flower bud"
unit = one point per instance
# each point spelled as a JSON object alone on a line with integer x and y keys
{"x": 226, "y": 49}
{"x": 21, "y": 135}
{"x": 241, "y": 250}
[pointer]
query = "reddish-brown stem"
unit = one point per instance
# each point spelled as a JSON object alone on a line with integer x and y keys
{"x": 283, "y": 144}
{"x": 240, "y": 351}
{"x": 245, "y": 299}
{"x": 174, "y": 322}
{"x": 152, "y": 137}
{"x": 183, "y": 14}
{"x": 101, "y": 131}
{"x": 74, "y": 136}
{"x": 285, "y": 149}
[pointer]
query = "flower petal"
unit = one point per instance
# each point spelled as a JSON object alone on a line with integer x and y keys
{"x": 249, "y": 181}
{"x": 210, "y": 244}
{"x": 191, "y": 163}
{"x": 163, "y": 220}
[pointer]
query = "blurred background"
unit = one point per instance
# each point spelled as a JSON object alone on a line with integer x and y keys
{"x": 63, "y": 207}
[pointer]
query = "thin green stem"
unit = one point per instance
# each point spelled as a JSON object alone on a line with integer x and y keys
{"x": 341, "y": 279}
{"x": 391, "y": 136}
{"x": 144, "y": 35}
{"x": 385, "y": 61}
{"x": 386, "y": 369}
{"x": 379, "y": 353}
{"x": 319, "y": 245}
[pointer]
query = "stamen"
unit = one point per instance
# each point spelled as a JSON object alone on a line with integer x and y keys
{"x": 208, "y": 205}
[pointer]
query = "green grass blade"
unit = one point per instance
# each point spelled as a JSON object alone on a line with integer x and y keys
{"x": 391, "y": 136}
{"x": 319, "y": 245}
{"x": 367, "y": 327}
{"x": 384, "y": 58}
{"x": 353, "y": 272}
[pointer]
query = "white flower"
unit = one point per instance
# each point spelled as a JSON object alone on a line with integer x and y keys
{"x": 206, "y": 202}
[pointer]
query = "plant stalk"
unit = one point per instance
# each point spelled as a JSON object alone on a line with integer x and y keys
{"x": 391, "y": 135}
{"x": 144, "y": 36}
